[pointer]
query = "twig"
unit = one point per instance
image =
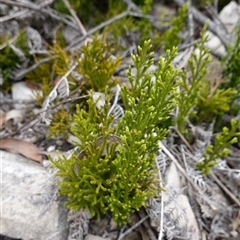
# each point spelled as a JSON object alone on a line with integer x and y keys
{"x": 50, "y": 201}
{"x": 200, "y": 18}
{"x": 13, "y": 15}
{"x": 72, "y": 46}
{"x": 153, "y": 20}
{"x": 69, "y": 7}
{"x": 23, "y": 72}
{"x": 215, "y": 16}
{"x": 27, "y": 4}
{"x": 20, "y": 101}
{"x": 37, "y": 8}
{"x": 216, "y": 5}
{"x": 225, "y": 189}
{"x": 183, "y": 139}
{"x": 10, "y": 41}
{"x": 137, "y": 12}
{"x": 132, "y": 228}
{"x": 180, "y": 168}
{"x": 132, "y": 5}
{"x": 146, "y": 225}
{"x": 162, "y": 203}
{"x": 190, "y": 22}
{"x": 34, "y": 121}
{"x": 115, "y": 99}
{"x": 39, "y": 52}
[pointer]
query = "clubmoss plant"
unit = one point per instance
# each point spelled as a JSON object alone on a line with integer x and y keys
{"x": 8, "y": 58}
{"x": 60, "y": 124}
{"x": 220, "y": 148}
{"x": 231, "y": 62}
{"x": 190, "y": 85}
{"x": 96, "y": 69}
{"x": 98, "y": 64}
{"x": 232, "y": 70}
{"x": 114, "y": 170}
{"x": 171, "y": 37}
{"x": 213, "y": 102}
{"x": 47, "y": 73}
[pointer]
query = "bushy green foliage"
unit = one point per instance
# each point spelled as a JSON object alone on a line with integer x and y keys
{"x": 60, "y": 124}
{"x": 41, "y": 76}
{"x": 231, "y": 66}
{"x": 119, "y": 28}
{"x": 98, "y": 64}
{"x": 85, "y": 9}
{"x": 159, "y": 93}
{"x": 201, "y": 99}
{"x": 115, "y": 170}
{"x": 99, "y": 9}
{"x": 221, "y": 146}
{"x": 96, "y": 67}
{"x": 170, "y": 38}
{"x": 213, "y": 102}
{"x": 8, "y": 59}
{"x": 46, "y": 74}
{"x": 190, "y": 85}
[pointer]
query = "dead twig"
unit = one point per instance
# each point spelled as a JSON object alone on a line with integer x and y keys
{"x": 75, "y": 43}
{"x": 122, "y": 235}
{"x": 162, "y": 204}
{"x": 215, "y": 16}
{"x": 222, "y": 186}
{"x": 32, "y": 122}
{"x": 23, "y": 72}
{"x": 148, "y": 228}
{"x": 38, "y": 8}
{"x": 79, "y": 23}
{"x": 190, "y": 23}
{"x": 200, "y": 18}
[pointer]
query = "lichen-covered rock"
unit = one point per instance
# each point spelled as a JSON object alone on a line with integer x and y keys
{"x": 30, "y": 209}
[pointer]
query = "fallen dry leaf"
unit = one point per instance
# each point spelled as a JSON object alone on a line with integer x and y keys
{"x": 26, "y": 149}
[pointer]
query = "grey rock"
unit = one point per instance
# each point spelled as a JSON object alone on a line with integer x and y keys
{"x": 30, "y": 209}
{"x": 94, "y": 237}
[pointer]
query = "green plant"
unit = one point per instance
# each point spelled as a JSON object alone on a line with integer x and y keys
{"x": 190, "y": 85}
{"x": 231, "y": 69}
{"x": 220, "y": 148}
{"x": 60, "y": 124}
{"x": 85, "y": 9}
{"x": 115, "y": 172}
{"x": 98, "y": 64}
{"x": 171, "y": 37}
{"x": 47, "y": 73}
{"x": 213, "y": 101}
{"x": 8, "y": 58}
{"x": 231, "y": 62}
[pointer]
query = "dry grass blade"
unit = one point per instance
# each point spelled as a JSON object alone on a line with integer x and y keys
{"x": 26, "y": 149}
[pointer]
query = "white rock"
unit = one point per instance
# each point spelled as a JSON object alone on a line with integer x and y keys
{"x": 230, "y": 15}
{"x": 215, "y": 44}
{"x": 20, "y": 91}
{"x": 25, "y": 194}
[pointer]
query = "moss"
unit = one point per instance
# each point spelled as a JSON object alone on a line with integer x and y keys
{"x": 98, "y": 64}
{"x": 114, "y": 171}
